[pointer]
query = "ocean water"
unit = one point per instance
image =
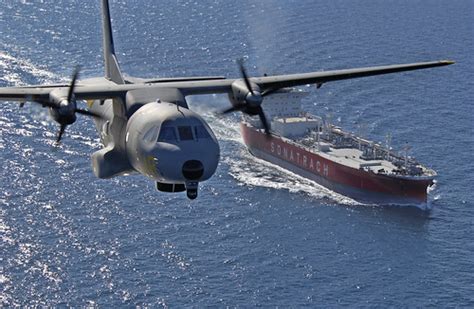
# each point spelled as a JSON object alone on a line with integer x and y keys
{"x": 257, "y": 235}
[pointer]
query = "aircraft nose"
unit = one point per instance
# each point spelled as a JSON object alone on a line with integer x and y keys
{"x": 193, "y": 169}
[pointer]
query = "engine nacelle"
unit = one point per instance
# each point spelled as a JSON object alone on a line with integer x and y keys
{"x": 247, "y": 101}
{"x": 63, "y": 112}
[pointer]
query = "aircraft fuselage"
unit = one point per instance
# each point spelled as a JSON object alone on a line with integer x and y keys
{"x": 162, "y": 140}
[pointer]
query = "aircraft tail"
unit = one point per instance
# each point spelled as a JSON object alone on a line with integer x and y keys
{"x": 112, "y": 68}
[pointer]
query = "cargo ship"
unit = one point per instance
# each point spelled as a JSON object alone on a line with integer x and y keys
{"x": 351, "y": 165}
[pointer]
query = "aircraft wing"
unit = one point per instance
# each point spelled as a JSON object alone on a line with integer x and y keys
{"x": 208, "y": 85}
{"x": 272, "y": 83}
{"x": 40, "y": 93}
{"x": 23, "y": 94}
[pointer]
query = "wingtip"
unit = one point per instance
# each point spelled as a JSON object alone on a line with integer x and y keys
{"x": 447, "y": 62}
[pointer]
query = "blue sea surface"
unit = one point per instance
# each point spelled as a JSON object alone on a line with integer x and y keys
{"x": 257, "y": 235}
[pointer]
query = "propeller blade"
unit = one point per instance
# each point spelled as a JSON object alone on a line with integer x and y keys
{"x": 61, "y": 132}
{"x": 263, "y": 119}
{"x": 73, "y": 83}
{"x": 87, "y": 113}
{"x": 243, "y": 72}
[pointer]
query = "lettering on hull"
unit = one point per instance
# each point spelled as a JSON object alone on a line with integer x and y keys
{"x": 300, "y": 158}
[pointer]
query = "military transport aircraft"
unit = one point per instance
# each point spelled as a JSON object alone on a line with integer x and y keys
{"x": 145, "y": 125}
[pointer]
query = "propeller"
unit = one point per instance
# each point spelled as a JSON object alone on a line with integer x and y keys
{"x": 63, "y": 106}
{"x": 251, "y": 103}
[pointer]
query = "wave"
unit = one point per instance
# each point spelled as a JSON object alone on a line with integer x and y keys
{"x": 15, "y": 70}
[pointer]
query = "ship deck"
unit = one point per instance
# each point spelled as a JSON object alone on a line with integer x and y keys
{"x": 350, "y": 157}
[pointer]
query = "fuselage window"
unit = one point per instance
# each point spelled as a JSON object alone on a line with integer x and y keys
{"x": 167, "y": 134}
{"x": 185, "y": 133}
{"x": 201, "y": 132}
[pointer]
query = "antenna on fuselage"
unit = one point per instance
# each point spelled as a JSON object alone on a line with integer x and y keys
{"x": 111, "y": 66}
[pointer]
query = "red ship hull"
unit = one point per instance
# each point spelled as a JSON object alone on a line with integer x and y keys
{"x": 358, "y": 184}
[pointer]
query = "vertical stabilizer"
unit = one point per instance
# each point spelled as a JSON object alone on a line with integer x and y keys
{"x": 112, "y": 69}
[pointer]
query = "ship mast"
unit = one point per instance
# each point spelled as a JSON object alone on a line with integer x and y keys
{"x": 318, "y": 135}
{"x": 362, "y": 128}
{"x": 388, "y": 142}
{"x": 406, "y": 148}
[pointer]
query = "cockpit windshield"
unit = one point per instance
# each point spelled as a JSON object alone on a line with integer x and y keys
{"x": 201, "y": 132}
{"x": 185, "y": 133}
{"x": 167, "y": 134}
{"x": 170, "y": 133}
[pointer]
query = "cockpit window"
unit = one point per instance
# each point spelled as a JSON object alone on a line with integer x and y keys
{"x": 167, "y": 134}
{"x": 151, "y": 135}
{"x": 185, "y": 133}
{"x": 201, "y": 132}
